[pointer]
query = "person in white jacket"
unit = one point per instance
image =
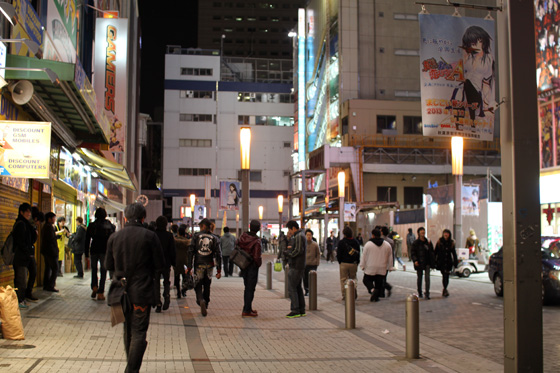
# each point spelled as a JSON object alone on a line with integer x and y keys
{"x": 377, "y": 259}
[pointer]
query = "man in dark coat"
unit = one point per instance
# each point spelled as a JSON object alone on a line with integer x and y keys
{"x": 78, "y": 246}
{"x": 168, "y": 245}
{"x": 49, "y": 250}
{"x": 250, "y": 243}
{"x": 422, "y": 255}
{"x": 24, "y": 236}
{"x": 204, "y": 252}
{"x": 135, "y": 253}
{"x": 97, "y": 235}
{"x": 296, "y": 253}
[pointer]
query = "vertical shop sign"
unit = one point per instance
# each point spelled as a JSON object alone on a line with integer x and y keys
{"x": 62, "y": 29}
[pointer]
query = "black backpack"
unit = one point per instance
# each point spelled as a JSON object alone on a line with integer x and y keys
{"x": 8, "y": 250}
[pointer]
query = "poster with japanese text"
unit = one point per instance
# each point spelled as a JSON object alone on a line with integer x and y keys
{"x": 457, "y": 76}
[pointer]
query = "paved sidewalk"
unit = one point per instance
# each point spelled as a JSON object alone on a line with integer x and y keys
{"x": 70, "y": 332}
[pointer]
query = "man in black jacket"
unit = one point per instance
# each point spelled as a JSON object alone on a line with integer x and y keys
{"x": 78, "y": 246}
{"x": 296, "y": 253}
{"x": 204, "y": 252}
{"x": 251, "y": 244}
{"x": 49, "y": 250}
{"x": 168, "y": 245}
{"x": 135, "y": 253}
{"x": 97, "y": 235}
{"x": 24, "y": 236}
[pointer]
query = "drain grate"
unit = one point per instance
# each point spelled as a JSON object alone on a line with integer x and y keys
{"x": 17, "y": 347}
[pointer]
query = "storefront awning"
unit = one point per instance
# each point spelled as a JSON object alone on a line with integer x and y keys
{"x": 72, "y": 100}
{"x": 108, "y": 170}
{"x": 109, "y": 205}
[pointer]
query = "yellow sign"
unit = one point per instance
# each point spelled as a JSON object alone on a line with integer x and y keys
{"x": 25, "y": 149}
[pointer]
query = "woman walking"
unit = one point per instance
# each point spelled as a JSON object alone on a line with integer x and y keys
{"x": 446, "y": 258}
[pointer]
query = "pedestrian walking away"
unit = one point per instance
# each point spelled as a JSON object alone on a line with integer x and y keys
{"x": 227, "y": 242}
{"x": 182, "y": 244}
{"x": 49, "y": 250}
{"x": 422, "y": 255}
{"x": 135, "y": 254}
{"x": 168, "y": 246}
{"x": 295, "y": 254}
{"x": 78, "y": 246}
{"x": 446, "y": 258}
{"x": 251, "y": 244}
{"x": 24, "y": 237}
{"x": 97, "y": 235}
{"x": 203, "y": 252}
{"x": 348, "y": 256}
{"x": 312, "y": 258}
{"x": 376, "y": 260}
{"x": 386, "y": 285}
{"x": 332, "y": 243}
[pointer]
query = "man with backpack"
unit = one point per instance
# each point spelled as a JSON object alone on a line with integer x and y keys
{"x": 97, "y": 235}
{"x": 24, "y": 237}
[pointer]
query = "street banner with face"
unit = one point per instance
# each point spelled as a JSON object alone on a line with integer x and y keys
{"x": 469, "y": 204}
{"x": 229, "y": 195}
{"x": 349, "y": 212}
{"x": 457, "y": 76}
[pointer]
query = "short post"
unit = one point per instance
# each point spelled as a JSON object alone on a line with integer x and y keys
{"x": 412, "y": 327}
{"x": 312, "y": 290}
{"x": 269, "y": 276}
{"x": 350, "y": 308}
{"x": 286, "y": 292}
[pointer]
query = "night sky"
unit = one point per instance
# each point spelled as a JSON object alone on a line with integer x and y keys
{"x": 163, "y": 22}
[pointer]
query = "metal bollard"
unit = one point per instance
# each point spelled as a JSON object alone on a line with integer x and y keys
{"x": 269, "y": 276}
{"x": 312, "y": 290}
{"x": 286, "y": 292}
{"x": 350, "y": 308}
{"x": 412, "y": 327}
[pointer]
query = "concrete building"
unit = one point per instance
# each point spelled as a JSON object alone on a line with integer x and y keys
{"x": 207, "y": 100}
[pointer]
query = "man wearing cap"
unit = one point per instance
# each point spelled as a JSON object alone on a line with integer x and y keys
{"x": 204, "y": 253}
{"x": 135, "y": 253}
{"x": 251, "y": 244}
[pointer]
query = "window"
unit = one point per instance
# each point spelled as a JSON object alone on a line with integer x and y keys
{"x": 387, "y": 194}
{"x": 251, "y": 19}
{"x": 286, "y": 173}
{"x": 196, "y": 71}
{"x": 412, "y": 126}
{"x": 285, "y": 98}
{"x": 196, "y": 118}
{"x": 216, "y": 18}
{"x": 413, "y": 195}
{"x": 243, "y": 119}
{"x": 407, "y": 52}
{"x": 386, "y": 123}
{"x": 414, "y": 94}
{"x": 287, "y": 144}
{"x": 195, "y": 143}
{"x": 405, "y": 17}
{"x": 196, "y": 94}
{"x": 195, "y": 171}
{"x": 253, "y": 175}
{"x": 217, "y": 4}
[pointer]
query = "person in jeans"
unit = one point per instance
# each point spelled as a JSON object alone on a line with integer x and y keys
{"x": 49, "y": 250}
{"x": 295, "y": 253}
{"x": 79, "y": 246}
{"x": 168, "y": 246}
{"x": 446, "y": 258}
{"x": 228, "y": 243}
{"x": 135, "y": 253}
{"x": 312, "y": 258}
{"x": 348, "y": 256}
{"x": 182, "y": 244}
{"x": 251, "y": 244}
{"x": 422, "y": 255}
{"x": 97, "y": 235}
{"x": 377, "y": 258}
{"x": 24, "y": 237}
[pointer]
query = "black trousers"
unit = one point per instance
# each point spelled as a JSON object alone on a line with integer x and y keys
{"x": 136, "y": 322}
{"x": 379, "y": 281}
{"x": 306, "y": 277}
{"x": 32, "y": 271}
{"x": 166, "y": 284}
{"x": 228, "y": 266}
{"x": 445, "y": 278}
{"x": 79, "y": 265}
{"x": 297, "y": 299}
{"x": 250, "y": 278}
{"x": 20, "y": 276}
{"x": 369, "y": 281}
{"x": 202, "y": 287}
{"x": 51, "y": 271}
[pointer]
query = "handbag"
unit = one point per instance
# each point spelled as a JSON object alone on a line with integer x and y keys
{"x": 277, "y": 266}
{"x": 240, "y": 258}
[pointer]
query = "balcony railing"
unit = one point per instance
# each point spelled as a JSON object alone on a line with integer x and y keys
{"x": 417, "y": 142}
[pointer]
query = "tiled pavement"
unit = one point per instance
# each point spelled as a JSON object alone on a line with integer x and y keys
{"x": 70, "y": 332}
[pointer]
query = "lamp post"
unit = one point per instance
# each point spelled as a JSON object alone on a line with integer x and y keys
{"x": 261, "y": 209}
{"x": 341, "y": 184}
{"x": 457, "y": 171}
{"x": 193, "y": 198}
{"x": 245, "y": 139}
{"x": 237, "y": 225}
{"x": 280, "y": 210}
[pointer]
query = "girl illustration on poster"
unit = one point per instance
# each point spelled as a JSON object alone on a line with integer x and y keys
{"x": 233, "y": 197}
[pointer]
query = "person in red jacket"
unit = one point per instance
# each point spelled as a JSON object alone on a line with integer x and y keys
{"x": 251, "y": 243}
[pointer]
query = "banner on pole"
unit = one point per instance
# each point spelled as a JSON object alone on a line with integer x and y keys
{"x": 229, "y": 195}
{"x": 457, "y": 76}
{"x": 469, "y": 204}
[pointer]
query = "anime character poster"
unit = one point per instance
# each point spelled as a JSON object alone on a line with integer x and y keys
{"x": 349, "y": 212}
{"x": 469, "y": 204}
{"x": 230, "y": 195}
{"x": 199, "y": 213}
{"x": 457, "y": 76}
{"x": 547, "y": 146}
{"x": 547, "y": 19}
{"x": 557, "y": 123}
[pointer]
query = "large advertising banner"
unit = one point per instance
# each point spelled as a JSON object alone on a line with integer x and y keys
{"x": 110, "y": 81}
{"x": 547, "y": 18}
{"x": 25, "y": 149}
{"x": 28, "y": 27}
{"x": 349, "y": 212}
{"x": 230, "y": 195}
{"x": 457, "y": 76}
{"x": 469, "y": 204}
{"x": 62, "y": 29}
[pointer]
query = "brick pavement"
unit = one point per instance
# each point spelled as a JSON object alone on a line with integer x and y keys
{"x": 70, "y": 332}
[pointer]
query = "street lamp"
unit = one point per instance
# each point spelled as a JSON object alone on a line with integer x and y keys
{"x": 341, "y": 184}
{"x": 280, "y": 210}
{"x": 193, "y": 198}
{"x": 245, "y": 139}
{"x": 261, "y": 209}
{"x": 457, "y": 171}
{"x": 237, "y": 225}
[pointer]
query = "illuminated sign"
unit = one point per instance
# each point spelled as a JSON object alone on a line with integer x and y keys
{"x": 25, "y": 149}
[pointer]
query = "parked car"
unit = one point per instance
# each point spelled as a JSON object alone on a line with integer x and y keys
{"x": 550, "y": 274}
